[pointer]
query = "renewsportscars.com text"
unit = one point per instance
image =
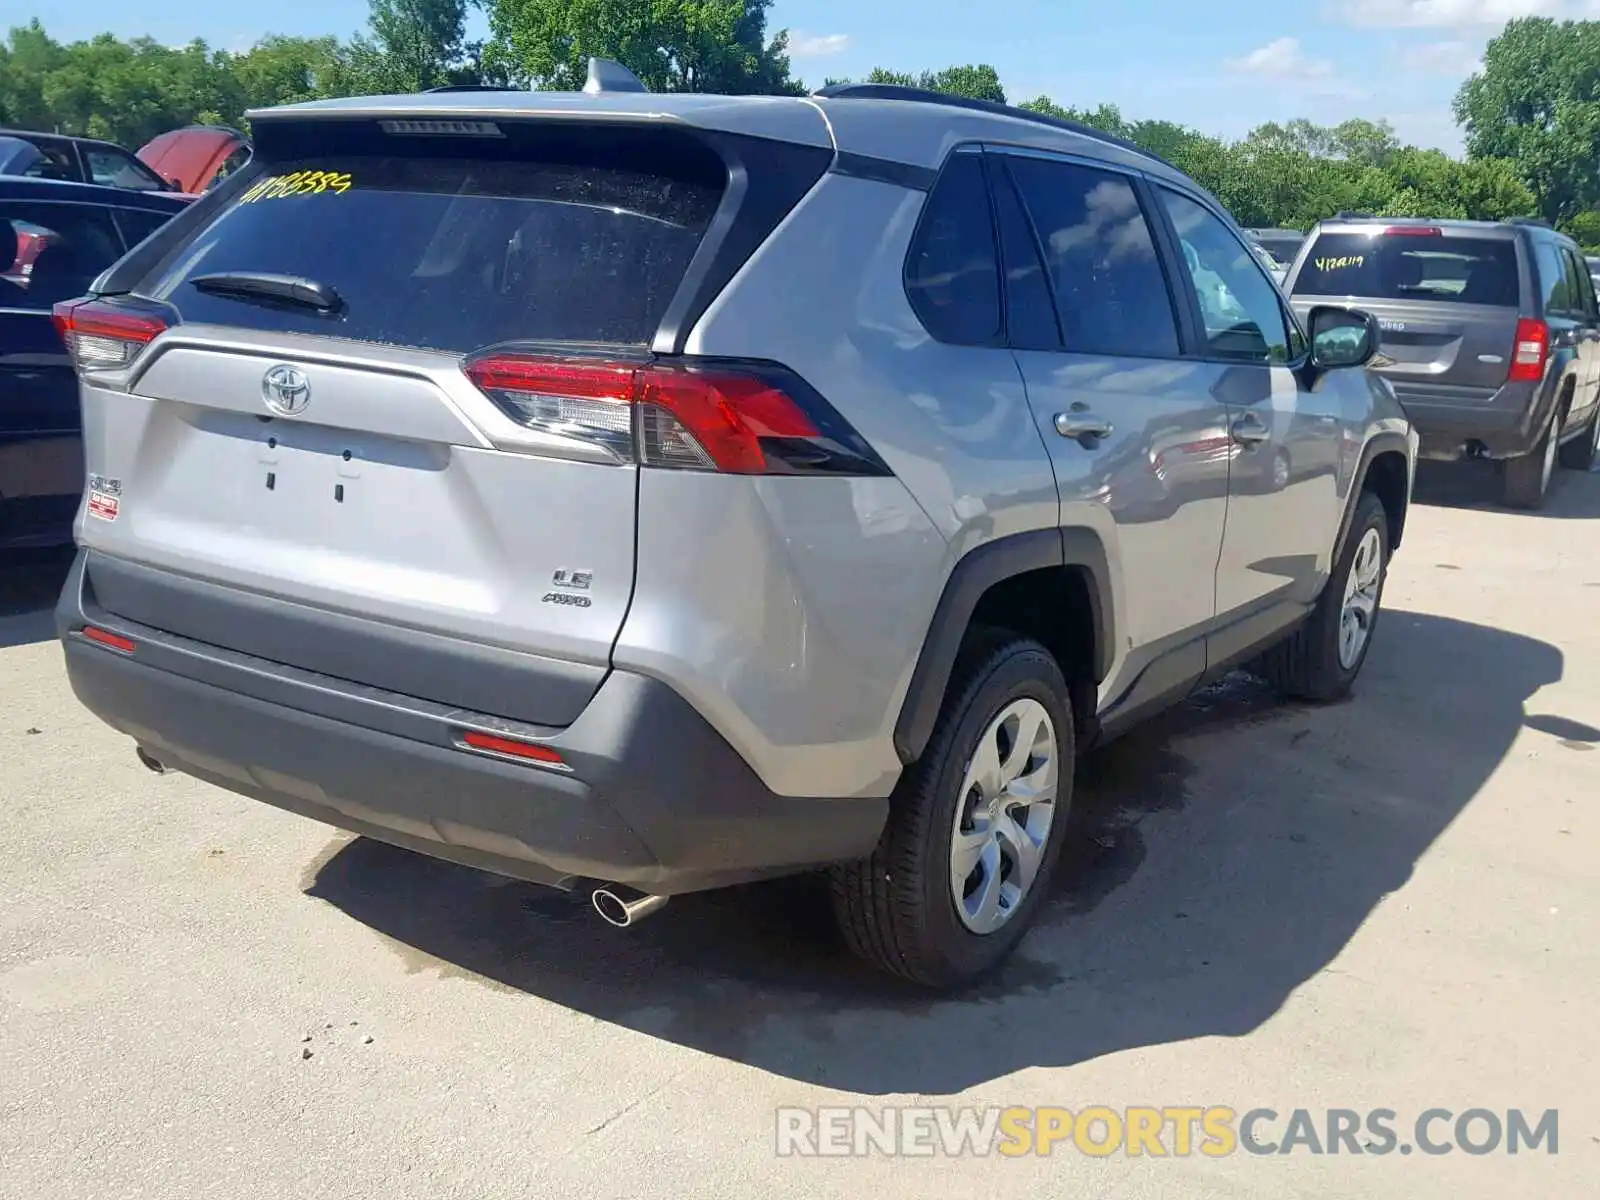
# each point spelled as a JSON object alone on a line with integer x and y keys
{"x": 1100, "y": 1131}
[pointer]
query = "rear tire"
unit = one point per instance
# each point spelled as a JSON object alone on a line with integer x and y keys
{"x": 1579, "y": 454}
{"x": 904, "y": 909}
{"x": 1320, "y": 660}
{"x": 1527, "y": 477}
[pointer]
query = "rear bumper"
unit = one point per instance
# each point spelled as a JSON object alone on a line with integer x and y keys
{"x": 1503, "y": 425}
{"x": 654, "y": 797}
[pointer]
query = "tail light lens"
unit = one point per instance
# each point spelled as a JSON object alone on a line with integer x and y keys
{"x": 102, "y": 336}
{"x": 1529, "y": 351}
{"x": 707, "y": 415}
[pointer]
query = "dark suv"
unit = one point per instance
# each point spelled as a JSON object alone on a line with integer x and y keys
{"x": 1491, "y": 335}
{"x": 54, "y": 239}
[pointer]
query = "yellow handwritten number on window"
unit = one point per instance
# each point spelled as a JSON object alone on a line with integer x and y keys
{"x": 301, "y": 183}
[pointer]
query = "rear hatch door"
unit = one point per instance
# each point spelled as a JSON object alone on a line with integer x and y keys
{"x": 1448, "y": 302}
{"x": 319, "y": 446}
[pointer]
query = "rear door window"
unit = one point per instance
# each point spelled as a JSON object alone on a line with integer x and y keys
{"x": 52, "y": 252}
{"x": 1110, "y": 291}
{"x": 570, "y": 241}
{"x": 1411, "y": 266}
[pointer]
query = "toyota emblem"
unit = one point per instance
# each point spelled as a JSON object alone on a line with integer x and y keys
{"x": 286, "y": 390}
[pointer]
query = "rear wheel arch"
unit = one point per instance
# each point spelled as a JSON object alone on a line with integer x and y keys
{"x": 1050, "y": 584}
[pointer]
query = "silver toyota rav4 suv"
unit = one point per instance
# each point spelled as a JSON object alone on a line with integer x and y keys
{"x": 647, "y": 493}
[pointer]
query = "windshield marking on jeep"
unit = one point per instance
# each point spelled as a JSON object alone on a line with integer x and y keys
{"x": 1335, "y": 264}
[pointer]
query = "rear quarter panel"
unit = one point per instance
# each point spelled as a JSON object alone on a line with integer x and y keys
{"x": 846, "y": 601}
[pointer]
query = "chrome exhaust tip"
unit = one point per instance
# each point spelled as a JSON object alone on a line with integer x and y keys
{"x": 150, "y": 762}
{"x": 614, "y": 910}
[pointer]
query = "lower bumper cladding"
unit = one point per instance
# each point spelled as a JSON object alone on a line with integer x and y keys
{"x": 640, "y": 790}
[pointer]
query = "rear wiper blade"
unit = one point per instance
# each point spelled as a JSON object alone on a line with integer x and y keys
{"x": 283, "y": 289}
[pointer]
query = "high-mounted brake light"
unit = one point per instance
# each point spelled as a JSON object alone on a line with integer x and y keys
{"x": 102, "y": 336}
{"x": 737, "y": 419}
{"x": 1414, "y": 231}
{"x": 1529, "y": 351}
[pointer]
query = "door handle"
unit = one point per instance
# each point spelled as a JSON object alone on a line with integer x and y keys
{"x": 1085, "y": 428}
{"x": 1250, "y": 430}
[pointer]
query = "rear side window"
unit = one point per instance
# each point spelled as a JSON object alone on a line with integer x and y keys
{"x": 575, "y": 240}
{"x": 235, "y": 160}
{"x": 137, "y": 223}
{"x": 1557, "y": 282}
{"x": 1411, "y": 266}
{"x": 1111, "y": 294}
{"x": 952, "y": 272}
{"x": 1584, "y": 283}
{"x": 52, "y": 252}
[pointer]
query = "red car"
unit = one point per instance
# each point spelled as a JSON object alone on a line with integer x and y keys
{"x": 196, "y": 157}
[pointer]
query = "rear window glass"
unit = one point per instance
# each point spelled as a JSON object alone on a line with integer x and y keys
{"x": 1411, "y": 266}
{"x": 455, "y": 253}
{"x": 52, "y": 252}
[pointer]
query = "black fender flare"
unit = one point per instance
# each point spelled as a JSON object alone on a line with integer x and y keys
{"x": 1379, "y": 443}
{"x": 976, "y": 572}
{"x": 1568, "y": 364}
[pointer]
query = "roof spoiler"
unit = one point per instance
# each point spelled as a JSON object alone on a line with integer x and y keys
{"x": 608, "y": 76}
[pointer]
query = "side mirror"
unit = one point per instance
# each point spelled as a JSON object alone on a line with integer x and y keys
{"x": 1342, "y": 337}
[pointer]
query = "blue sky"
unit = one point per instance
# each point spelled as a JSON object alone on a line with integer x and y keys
{"x": 1263, "y": 60}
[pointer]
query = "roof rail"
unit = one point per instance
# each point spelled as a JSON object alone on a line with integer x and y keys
{"x": 470, "y": 87}
{"x": 893, "y": 91}
{"x": 1354, "y": 216}
{"x": 608, "y": 76}
{"x": 1539, "y": 221}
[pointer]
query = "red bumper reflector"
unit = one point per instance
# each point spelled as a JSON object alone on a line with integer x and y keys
{"x": 106, "y": 638}
{"x": 531, "y": 751}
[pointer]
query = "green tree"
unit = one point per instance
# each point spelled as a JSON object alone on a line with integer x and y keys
{"x": 410, "y": 46}
{"x": 28, "y": 59}
{"x": 287, "y": 70}
{"x": 1107, "y": 117}
{"x": 1584, "y": 228}
{"x": 131, "y": 91}
{"x": 1371, "y": 143}
{"x": 975, "y": 81}
{"x": 671, "y": 45}
{"x": 1537, "y": 103}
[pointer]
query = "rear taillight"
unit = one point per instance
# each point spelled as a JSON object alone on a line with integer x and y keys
{"x": 739, "y": 419}
{"x": 102, "y": 336}
{"x": 1529, "y": 351}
